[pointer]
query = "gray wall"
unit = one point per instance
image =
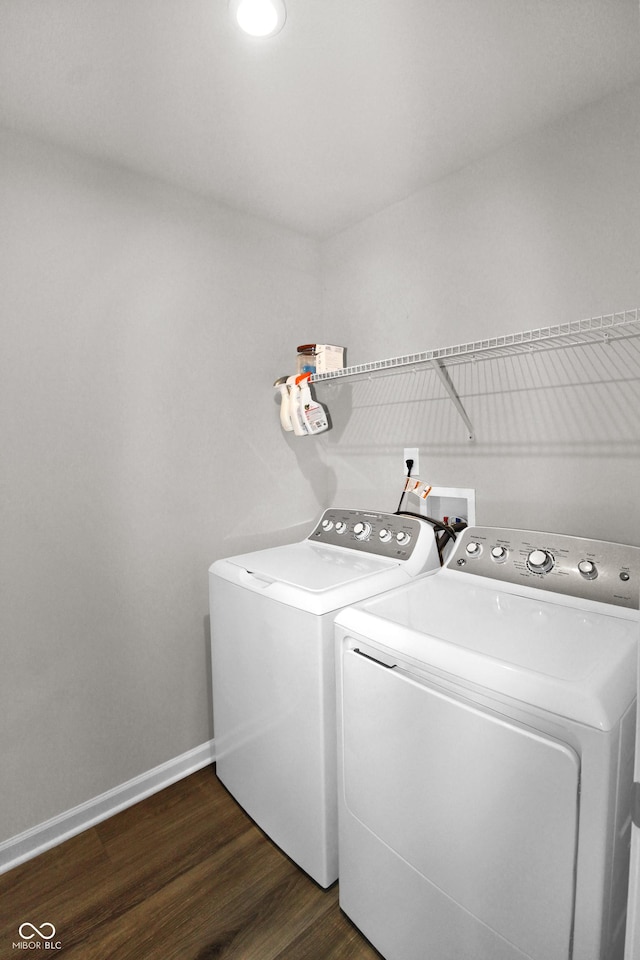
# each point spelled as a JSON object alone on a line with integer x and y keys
{"x": 547, "y": 230}
{"x": 142, "y": 329}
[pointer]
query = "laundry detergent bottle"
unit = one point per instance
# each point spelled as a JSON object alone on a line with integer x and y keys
{"x": 313, "y": 413}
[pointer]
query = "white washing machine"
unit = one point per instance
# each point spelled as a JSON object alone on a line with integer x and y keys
{"x": 486, "y": 743}
{"x": 273, "y": 668}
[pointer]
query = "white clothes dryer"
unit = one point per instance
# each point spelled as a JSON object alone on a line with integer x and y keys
{"x": 632, "y": 941}
{"x": 486, "y": 742}
{"x": 273, "y": 666}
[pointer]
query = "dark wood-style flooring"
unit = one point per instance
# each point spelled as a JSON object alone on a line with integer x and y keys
{"x": 182, "y": 875}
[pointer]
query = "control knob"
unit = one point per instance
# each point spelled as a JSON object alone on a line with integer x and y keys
{"x": 588, "y": 569}
{"x": 540, "y": 561}
{"x": 474, "y": 549}
{"x": 385, "y": 535}
{"x": 327, "y": 524}
{"x": 340, "y": 526}
{"x": 403, "y": 538}
{"x": 361, "y": 530}
{"x": 499, "y": 554}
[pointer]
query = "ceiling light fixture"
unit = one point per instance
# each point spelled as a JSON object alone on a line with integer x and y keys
{"x": 259, "y": 18}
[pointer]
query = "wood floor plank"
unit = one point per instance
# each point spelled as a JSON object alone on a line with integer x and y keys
{"x": 181, "y": 917}
{"x": 34, "y": 891}
{"x": 274, "y": 922}
{"x": 183, "y": 875}
{"x": 335, "y": 938}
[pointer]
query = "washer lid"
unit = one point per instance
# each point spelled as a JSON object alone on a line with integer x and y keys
{"x": 312, "y": 567}
{"x": 312, "y": 577}
{"x": 573, "y": 662}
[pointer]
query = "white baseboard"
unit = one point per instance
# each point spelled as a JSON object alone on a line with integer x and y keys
{"x": 49, "y": 834}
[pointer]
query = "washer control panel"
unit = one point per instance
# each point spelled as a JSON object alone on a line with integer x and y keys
{"x": 385, "y": 534}
{"x": 592, "y": 569}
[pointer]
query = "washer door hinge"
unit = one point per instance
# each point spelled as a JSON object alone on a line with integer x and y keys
{"x": 635, "y": 806}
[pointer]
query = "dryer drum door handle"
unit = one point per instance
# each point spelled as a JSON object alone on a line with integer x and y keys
{"x": 381, "y": 663}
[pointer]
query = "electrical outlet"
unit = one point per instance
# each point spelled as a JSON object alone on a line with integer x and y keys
{"x": 412, "y": 453}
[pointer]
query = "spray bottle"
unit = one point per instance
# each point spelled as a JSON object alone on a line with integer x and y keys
{"x": 285, "y": 415}
{"x": 313, "y": 413}
{"x": 295, "y": 407}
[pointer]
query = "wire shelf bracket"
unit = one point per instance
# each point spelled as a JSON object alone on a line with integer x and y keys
{"x": 455, "y": 399}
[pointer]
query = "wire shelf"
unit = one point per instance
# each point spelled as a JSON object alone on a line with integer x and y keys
{"x": 604, "y": 329}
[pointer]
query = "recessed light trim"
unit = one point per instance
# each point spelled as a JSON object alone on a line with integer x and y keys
{"x": 259, "y": 18}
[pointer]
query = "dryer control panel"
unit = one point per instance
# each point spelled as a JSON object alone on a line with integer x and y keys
{"x": 591, "y": 569}
{"x": 385, "y": 534}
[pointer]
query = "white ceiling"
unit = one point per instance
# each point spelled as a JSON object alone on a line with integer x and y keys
{"x": 354, "y": 105}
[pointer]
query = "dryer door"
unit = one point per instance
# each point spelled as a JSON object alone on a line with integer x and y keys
{"x": 484, "y": 808}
